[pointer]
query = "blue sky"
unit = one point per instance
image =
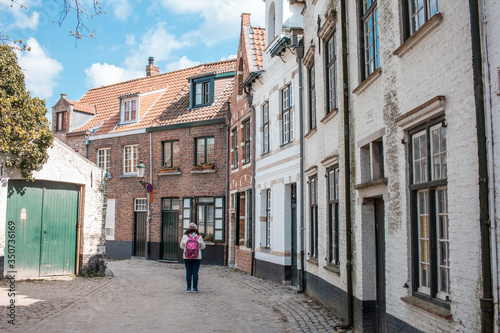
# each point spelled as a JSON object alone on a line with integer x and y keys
{"x": 177, "y": 33}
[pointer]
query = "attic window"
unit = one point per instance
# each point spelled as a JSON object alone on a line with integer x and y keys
{"x": 202, "y": 92}
{"x": 130, "y": 110}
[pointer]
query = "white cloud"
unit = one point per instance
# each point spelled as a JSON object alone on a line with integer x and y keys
{"x": 121, "y": 9}
{"x": 156, "y": 42}
{"x": 220, "y": 18}
{"x": 103, "y": 74}
{"x": 41, "y": 71}
{"x": 19, "y": 17}
{"x": 232, "y": 56}
{"x": 182, "y": 63}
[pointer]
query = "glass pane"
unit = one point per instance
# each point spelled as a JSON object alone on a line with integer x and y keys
{"x": 218, "y": 224}
{"x": 205, "y": 199}
{"x": 210, "y": 228}
{"x": 167, "y": 204}
{"x": 176, "y": 154}
{"x": 424, "y": 273}
{"x": 198, "y": 93}
{"x": 176, "y": 204}
{"x": 187, "y": 213}
{"x": 200, "y": 151}
{"x": 210, "y": 213}
{"x": 168, "y": 153}
{"x": 211, "y": 150}
{"x": 218, "y": 235}
{"x": 187, "y": 203}
{"x": 201, "y": 214}
{"x": 219, "y": 202}
{"x": 218, "y": 213}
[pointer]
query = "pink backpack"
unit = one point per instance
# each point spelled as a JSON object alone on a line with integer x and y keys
{"x": 192, "y": 247}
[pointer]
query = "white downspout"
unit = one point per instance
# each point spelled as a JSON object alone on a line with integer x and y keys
{"x": 491, "y": 164}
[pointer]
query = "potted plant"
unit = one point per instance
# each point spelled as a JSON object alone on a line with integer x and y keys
{"x": 207, "y": 166}
{"x": 198, "y": 167}
{"x": 208, "y": 237}
{"x": 170, "y": 168}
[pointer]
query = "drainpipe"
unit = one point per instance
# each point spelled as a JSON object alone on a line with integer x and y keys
{"x": 149, "y": 196}
{"x": 249, "y": 99}
{"x": 87, "y": 143}
{"x": 299, "y": 52}
{"x": 491, "y": 169}
{"x": 228, "y": 121}
{"x": 486, "y": 301}
{"x": 347, "y": 164}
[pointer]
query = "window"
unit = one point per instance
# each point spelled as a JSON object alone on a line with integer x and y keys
{"x": 313, "y": 213}
{"x": 129, "y": 111}
{"x": 130, "y": 159}
{"x": 171, "y": 154}
{"x": 430, "y": 211}
{"x": 333, "y": 216}
{"x": 268, "y": 218}
{"x": 246, "y": 127}
{"x": 103, "y": 159}
{"x": 286, "y": 108}
{"x": 235, "y": 148}
{"x": 370, "y": 37}
{"x": 210, "y": 216}
{"x": 110, "y": 219}
{"x": 420, "y": 11}
{"x": 312, "y": 98}
{"x": 265, "y": 128}
{"x": 205, "y": 150}
{"x": 372, "y": 161}
{"x": 170, "y": 204}
{"x": 61, "y": 121}
{"x": 141, "y": 205}
{"x": 202, "y": 92}
{"x": 331, "y": 74}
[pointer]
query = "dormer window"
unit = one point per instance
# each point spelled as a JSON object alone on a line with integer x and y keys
{"x": 202, "y": 91}
{"x": 130, "y": 110}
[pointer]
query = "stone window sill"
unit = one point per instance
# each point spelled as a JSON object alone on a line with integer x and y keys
{"x": 128, "y": 175}
{"x": 428, "y": 307}
{"x": 368, "y": 81}
{"x": 419, "y": 35}
{"x": 203, "y": 171}
{"x": 173, "y": 173}
{"x": 329, "y": 116}
{"x": 313, "y": 261}
{"x": 371, "y": 183}
{"x": 310, "y": 133}
{"x": 332, "y": 268}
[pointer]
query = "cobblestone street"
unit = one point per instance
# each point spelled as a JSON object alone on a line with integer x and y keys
{"x": 151, "y": 296}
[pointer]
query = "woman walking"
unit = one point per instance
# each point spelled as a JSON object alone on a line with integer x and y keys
{"x": 192, "y": 244}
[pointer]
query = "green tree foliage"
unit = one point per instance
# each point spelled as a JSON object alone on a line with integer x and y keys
{"x": 24, "y": 130}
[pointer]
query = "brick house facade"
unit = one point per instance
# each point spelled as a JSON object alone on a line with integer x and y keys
{"x": 249, "y": 62}
{"x": 172, "y": 123}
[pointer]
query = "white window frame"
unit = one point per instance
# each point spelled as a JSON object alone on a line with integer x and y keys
{"x": 140, "y": 205}
{"x": 265, "y": 128}
{"x": 286, "y": 115}
{"x": 128, "y": 108}
{"x": 104, "y": 159}
{"x": 110, "y": 219}
{"x": 134, "y": 158}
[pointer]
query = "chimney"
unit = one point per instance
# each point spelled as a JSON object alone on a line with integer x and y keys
{"x": 245, "y": 19}
{"x": 151, "y": 69}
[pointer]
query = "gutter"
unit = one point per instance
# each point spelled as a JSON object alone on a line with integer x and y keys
{"x": 254, "y": 126}
{"x": 347, "y": 165}
{"x": 491, "y": 169}
{"x": 299, "y": 52}
{"x": 486, "y": 301}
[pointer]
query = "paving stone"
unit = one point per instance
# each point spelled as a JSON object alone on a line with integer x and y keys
{"x": 150, "y": 296}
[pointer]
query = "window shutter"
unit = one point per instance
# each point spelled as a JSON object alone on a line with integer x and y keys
{"x": 187, "y": 208}
{"x": 219, "y": 219}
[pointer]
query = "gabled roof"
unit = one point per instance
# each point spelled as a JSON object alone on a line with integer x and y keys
{"x": 163, "y": 99}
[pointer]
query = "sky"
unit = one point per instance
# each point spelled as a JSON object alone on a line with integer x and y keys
{"x": 177, "y": 33}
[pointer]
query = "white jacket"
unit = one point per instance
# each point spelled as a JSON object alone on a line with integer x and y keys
{"x": 201, "y": 244}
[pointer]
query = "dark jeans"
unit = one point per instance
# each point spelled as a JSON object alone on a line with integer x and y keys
{"x": 192, "y": 268}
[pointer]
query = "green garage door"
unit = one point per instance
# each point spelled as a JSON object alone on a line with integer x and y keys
{"x": 45, "y": 216}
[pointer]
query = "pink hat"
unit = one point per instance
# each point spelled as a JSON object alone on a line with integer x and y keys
{"x": 192, "y": 226}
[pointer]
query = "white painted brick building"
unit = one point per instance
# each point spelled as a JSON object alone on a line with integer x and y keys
{"x": 66, "y": 173}
{"x": 275, "y": 100}
{"x": 413, "y": 163}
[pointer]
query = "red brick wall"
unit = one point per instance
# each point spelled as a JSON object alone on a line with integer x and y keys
{"x": 187, "y": 184}
{"x": 243, "y": 259}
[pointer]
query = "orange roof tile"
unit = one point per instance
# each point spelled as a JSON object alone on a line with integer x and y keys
{"x": 164, "y": 99}
{"x": 82, "y": 107}
{"x": 257, "y": 44}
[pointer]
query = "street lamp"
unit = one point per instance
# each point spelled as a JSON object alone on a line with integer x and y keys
{"x": 141, "y": 168}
